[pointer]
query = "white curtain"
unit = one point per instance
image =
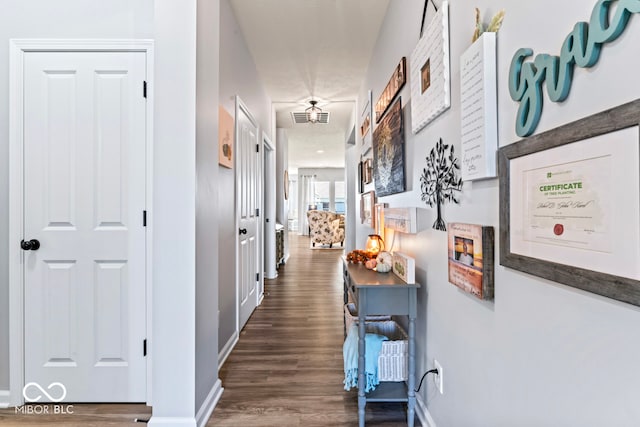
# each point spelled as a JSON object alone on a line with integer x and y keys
{"x": 306, "y": 198}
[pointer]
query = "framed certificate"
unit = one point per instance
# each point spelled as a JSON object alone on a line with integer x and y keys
{"x": 570, "y": 204}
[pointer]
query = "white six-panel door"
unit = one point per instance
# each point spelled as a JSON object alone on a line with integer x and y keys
{"x": 84, "y": 197}
{"x": 248, "y": 201}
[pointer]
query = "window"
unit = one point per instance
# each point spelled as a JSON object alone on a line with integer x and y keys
{"x": 339, "y": 197}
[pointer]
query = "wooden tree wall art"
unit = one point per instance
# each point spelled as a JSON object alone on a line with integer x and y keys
{"x": 440, "y": 181}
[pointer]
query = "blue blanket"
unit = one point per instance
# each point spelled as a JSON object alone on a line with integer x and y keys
{"x": 373, "y": 345}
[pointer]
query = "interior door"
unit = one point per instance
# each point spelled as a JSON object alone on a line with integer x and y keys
{"x": 84, "y": 197}
{"x": 248, "y": 202}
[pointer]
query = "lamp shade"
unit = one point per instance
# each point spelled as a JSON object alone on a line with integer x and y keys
{"x": 374, "y": 244}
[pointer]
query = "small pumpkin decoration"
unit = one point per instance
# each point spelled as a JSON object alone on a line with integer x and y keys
{"x": 384, "y": 262}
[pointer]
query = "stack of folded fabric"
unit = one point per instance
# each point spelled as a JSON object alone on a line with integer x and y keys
{"x": 373, "y": 344}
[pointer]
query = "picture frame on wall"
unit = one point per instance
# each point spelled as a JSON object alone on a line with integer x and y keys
{"x": 361, "y": 177}
{"x": 471, "y": 258}
{"x": 225, "y": 138}
{"x": 395, "y": 84}
{"x": 570, "y": 204}
{"x": 479, "y": 109}
{"x": 388, "y": 152}
{"x": 367, "y": 201}
{"x": 366, "y": 131}
{"x": 367, "y": 168}
{"x": 430, "y": 72}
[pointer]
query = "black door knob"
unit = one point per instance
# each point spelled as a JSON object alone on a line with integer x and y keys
{"x": 30, "y": 245}
{"x": 243, "y": 231}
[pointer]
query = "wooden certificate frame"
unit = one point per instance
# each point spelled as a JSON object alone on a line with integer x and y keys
{"x": 570, "y": 204}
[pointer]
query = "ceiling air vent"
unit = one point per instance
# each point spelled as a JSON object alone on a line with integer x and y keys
{"x": 301, "y": 117}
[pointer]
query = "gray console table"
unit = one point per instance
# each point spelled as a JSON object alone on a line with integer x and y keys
{"x": 382, "y": 293}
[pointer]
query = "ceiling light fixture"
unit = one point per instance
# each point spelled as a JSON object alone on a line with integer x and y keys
{"x": 313, "y": 112}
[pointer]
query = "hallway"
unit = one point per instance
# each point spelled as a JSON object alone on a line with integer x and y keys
{"x": 286, "y": 369}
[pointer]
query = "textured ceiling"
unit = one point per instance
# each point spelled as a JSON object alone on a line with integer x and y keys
{"x": 306, "y": 49}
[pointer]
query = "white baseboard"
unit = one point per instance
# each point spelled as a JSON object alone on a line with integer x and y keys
{"x": 423, "y": 413}
{"x": 226, "y": 350}
{"x": 172, "y": 422}
{"x": 209, "y": 404}
{"x": 4, "y": 399}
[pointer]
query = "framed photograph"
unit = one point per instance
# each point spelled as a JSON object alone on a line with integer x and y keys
{"x": 395, "y": 84}
{"x": 470, "y": 254}
{"x": 367, "y": 166}
{"x": 367, "y": 200}
{"x": 225, "y": 138}
{"x": 378, "y": 218}
{"x": 430, "y": 72}
{"x": 388, "y": 152}
{"x": 365, "y": 127}
{"x": 404, "y": 267}
{"x": 570, "y": 204}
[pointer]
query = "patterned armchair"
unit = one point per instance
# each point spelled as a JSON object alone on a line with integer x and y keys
{"x": 324, "y": 228}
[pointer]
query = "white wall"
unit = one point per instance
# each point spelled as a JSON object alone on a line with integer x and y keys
{"x": 173, "y": 214}
{"x": 282, "y": 205}
{"x": 207, "y": 93}
{"x": 124, "y": 19}
{"x": 541, "y": 353}
{"x": 238, "y": 76}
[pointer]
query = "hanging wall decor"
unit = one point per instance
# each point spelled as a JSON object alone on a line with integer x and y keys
{"x": 581, "y": 47}
{"x": 225, "y": 138}
{"x": 470, "y": 253}
{"x": 430, "y": 74}
{"x": 366, "y": 126}
{"x": 440, "y": 182}
{"x": 479, "y": 109}
{"x": 396, "y": 82}
{"x": 570, "y": 204}
{"x": 367, "y": 201}
{"x": 388, "y": 152}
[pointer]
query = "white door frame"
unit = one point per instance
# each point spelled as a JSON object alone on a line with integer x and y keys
{"x": 18, "y": 47}
{"x": 240, "y": 105}
{"x": 269, "y": 209}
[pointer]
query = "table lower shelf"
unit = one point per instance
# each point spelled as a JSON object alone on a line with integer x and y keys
{"x": 388, "y": 392}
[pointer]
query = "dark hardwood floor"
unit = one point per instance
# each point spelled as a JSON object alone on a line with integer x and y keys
{"x": 286, "y": 369}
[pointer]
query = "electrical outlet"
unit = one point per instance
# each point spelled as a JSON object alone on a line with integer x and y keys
{"x": 438, "y": 378}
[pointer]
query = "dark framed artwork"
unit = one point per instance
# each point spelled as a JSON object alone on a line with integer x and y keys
{"x": 471, "y": 254}
{"x": 360, "y": 177}
{"x": 570, "y": 204}
{"x": 388, "y": 152}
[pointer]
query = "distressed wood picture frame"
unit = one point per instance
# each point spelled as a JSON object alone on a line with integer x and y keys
{"x": 581, "y": 268}
{"x": 395, "y": 84}
{"x": 471, "y": 258}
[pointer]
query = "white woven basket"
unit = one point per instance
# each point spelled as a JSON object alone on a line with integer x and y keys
{"x": 393, "y": 358}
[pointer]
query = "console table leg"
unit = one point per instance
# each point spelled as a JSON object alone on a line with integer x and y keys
{"x": 411, "y": 383}
{"x": 362, "y": 401}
